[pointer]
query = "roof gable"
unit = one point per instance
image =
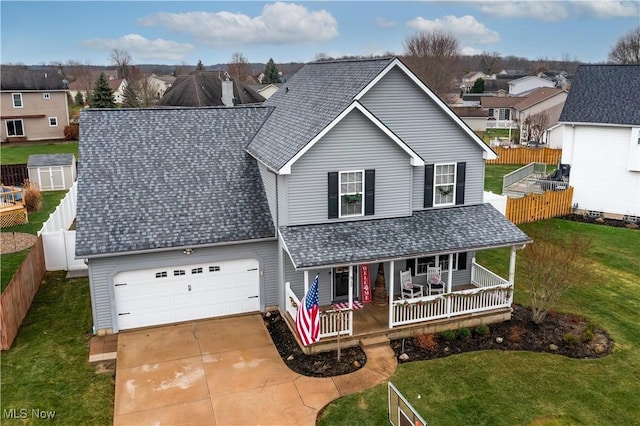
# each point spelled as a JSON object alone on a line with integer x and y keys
{"x": 604, "y": 94}
{"x": 171, "y": 177}
{"x": 536, "y": 96}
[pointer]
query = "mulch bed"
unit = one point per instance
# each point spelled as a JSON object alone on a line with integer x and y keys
{"x": 601, "y": 221}
{"x": 16, "y": 241}
{"x": 563, "y": 334}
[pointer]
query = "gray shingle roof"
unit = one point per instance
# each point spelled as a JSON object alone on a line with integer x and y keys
{"x": 424, "y": 233}
{"x": 605, "y": 94}
{"x": 17, "y": 78}
{"x": 44, "y": 160}
{"x": 307, "y": 103}
{"x": 164, "y": 178}
{"x": 204, "y": 88}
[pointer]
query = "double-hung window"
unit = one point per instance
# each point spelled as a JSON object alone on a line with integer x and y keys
{"x": 14, "y": 128}
{"x": 422, "y": 263}
{"x": 351, "y": 193}
{"x": 17, "y": 100}
{"x": 445, "y": 184}
{"x": 53, "y": 121}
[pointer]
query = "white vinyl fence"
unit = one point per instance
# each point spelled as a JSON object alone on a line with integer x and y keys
{"x": 60, "y": 243}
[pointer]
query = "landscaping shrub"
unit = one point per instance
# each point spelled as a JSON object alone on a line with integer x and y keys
{"x": 72, "y": 132}
{"x": 32, "y": 196}
{"x": 426, "y": 341}
{"x": 570, "y": 339}
{"x": 464, "y": 333}
{"x": 482, "y": 330}
{"x": 515, "y": 333}
{"x": 448, "y": 335}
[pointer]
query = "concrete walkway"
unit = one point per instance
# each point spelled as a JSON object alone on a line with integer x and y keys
{"x": 225, "y": 372}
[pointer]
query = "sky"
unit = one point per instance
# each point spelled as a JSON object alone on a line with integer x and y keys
{"x": 184, "y": 32}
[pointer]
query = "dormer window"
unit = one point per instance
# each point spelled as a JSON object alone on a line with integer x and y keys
{"x": 351, "y": 193}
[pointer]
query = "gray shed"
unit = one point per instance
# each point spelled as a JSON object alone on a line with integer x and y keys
{"x": 52, "y": 172}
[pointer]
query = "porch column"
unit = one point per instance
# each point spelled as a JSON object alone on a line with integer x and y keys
{"x": 350, "y": 287}
{"x": 306, "y": 282}
{"x": 391, "y": 289}
{"x": 450, "y": 274}
{"x": 512, "y": 266}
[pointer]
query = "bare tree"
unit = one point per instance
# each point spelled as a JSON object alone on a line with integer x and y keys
{"x": 627, "y": 49}
{"x": 239, "y": 68}
{"x": 552, "y": 266}
{"x": 147, "y": 91}
{"x": 489, "y": 62}
{"x": 535, "y": 126}
{"x": 122, "y": 61}
{"x": 434, "y": 56}
{"x": 82, "y": 75}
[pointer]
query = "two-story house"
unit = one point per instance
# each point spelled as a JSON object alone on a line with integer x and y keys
{"x": 33, "y": 104}
{"x": 353, "y": 171}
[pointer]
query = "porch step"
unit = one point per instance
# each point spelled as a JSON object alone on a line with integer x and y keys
{"x": 374, "y": 341}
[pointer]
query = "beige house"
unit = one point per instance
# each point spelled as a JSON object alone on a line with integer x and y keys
{"x": 33, "y": 105}
{"x": 161, "y": 83}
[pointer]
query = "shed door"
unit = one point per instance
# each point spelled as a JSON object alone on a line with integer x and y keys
{"x": 166, "y": 295}
{"x": 51, "y": 178}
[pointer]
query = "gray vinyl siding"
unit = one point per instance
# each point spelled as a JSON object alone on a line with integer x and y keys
{"x": 283, "y": 200}
{"x": 103, "y": 270}
{"x": 428, "y": 130}
{"x": 353, "y": 144}
{"x": 296, "y": 279}
{"x": 270, "y": 189}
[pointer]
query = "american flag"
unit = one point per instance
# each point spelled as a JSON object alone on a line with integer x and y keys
{"x": 308, "y": 316}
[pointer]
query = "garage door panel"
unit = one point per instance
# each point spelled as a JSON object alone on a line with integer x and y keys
{"x": 172, "y": 294}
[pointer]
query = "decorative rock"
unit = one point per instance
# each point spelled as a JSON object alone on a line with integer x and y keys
{"x": 633, "y": 226}
{"x": 268, "y": 314}
{"x": 446, "y": 349}
{"x": 499, "y": 340}
{"x": 357, "y": 364}
{"x": 598, "y": 349}
{"x": 290, "y": 358}
{"x": 553, "y": 347}
{"x": 403, "y": 357}
{"x": 599, "y": 220}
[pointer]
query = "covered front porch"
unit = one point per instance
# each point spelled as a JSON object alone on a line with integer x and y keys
{"x": 447, "y": 239}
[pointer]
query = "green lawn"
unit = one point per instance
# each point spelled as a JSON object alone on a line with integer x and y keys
{"x": 11, "y": 261}
{"x": 493, "y": 174}
{"x": 19, "y": 154}
{"x": 47, "y": 367}
{"x": 509, "y": 388}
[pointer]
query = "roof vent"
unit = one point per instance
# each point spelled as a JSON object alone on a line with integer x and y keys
{"x": 286, "y": 90}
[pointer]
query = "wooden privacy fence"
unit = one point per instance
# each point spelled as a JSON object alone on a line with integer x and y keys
{"x": 533, "y": 207}
{"x": 16, "y": 299}
{"x": 13, "y": 174}
{"x": 526, "y": 155}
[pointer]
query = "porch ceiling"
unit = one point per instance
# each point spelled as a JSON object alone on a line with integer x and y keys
{"x": 425, "y": 233}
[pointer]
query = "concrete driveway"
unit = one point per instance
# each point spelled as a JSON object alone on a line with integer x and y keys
{"x": 224, "y": 372}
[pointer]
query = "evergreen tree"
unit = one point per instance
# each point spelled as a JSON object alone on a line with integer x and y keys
{"x": 69, "y": 99}
{"x": 200, "y": 66}
{"x": 102, "y": 95}
{"x": 271, "y": 73}
{"x": 478, "y": 86}
{"x": 79, "y": 99}
{"x": 129, "y": 97}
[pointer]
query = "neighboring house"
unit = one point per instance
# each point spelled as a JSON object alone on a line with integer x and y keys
{"x": 474, "y": 117}
{"x": 601, "y": 141}
{"x": 547, "y": 101}
{"x": 528, "y": 83}
{"x": 117, "y": 85}
{"x": 469, "y": 79}
{"x": 33, "y": 104}
{"x": 352, "y": 170}
{"x": 266, "y": 90}
{"x": 161, "y": 83}
{"x": 209, "y": 88}
{"x": 500, "y": 111}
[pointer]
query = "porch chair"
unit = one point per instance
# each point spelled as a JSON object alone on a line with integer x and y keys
{"x": 408, "y": 288}
{"x": 434, "y": 280}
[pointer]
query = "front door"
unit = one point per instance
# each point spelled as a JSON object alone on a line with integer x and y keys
{"x": 341, "y": 283}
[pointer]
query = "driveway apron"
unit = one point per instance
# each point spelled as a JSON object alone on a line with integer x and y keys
{"x": 224, "y": 372}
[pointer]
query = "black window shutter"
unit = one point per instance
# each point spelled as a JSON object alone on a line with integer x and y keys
{"x": 369, "y": 192}
{"x": 462, "y": 261}
{"x": 460, "y": 177}
{"x": 428, "y": 185}
{"x": 332, "y": 201}
{"x": 411, "y": 264}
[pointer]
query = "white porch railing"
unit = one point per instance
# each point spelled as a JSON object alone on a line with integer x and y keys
{"x": 502, "y": 124}
{"x": 332, "y": 323}
{"x": 492, "y": 292}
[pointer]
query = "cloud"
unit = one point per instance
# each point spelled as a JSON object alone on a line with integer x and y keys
{"x": 608, "y": 8}
{"x": 385, "y": 23}
{"x": 142, "y": 47}
{"x": 466, "y": 28}
{"x": 279, "y": 23}
{"x": 470, "y": 51}
{"x": 558, "y": 10}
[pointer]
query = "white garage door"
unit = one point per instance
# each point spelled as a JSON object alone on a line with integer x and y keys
{"x": 182, "y": 293}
